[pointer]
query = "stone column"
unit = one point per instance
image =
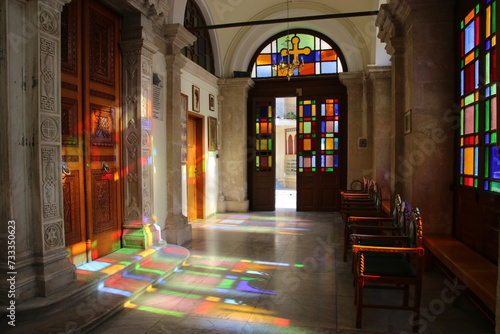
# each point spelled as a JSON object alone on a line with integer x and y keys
{"x": 139, "y": 225}
{"x": 359, "y": 159}
{"x": 380, "y": 79}
{"x": 31, "y": 150}
{"x": 233, "y": 151}
{"x": 423, "y": 83}
{"x": 390, "y": 32}
{"x": 178, "y": 231}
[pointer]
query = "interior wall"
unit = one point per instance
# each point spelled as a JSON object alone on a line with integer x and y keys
{"x": 193, "y": 75}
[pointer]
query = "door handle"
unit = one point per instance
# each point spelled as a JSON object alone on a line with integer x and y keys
{"x": 105, "y": 168}
{"x": 65, "y": 169}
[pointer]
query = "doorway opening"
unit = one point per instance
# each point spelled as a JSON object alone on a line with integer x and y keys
{"x": 286, "y": 149}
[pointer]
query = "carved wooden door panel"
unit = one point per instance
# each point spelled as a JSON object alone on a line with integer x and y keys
{"x": 90, "y": 92}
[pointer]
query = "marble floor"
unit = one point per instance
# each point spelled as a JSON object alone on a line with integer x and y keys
{"x": 278, "y": 272}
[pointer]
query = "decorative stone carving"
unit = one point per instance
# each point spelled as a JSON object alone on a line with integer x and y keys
{"x": 50, "y": 173}
{"x": 48, "y": 22}
{"x": 49, "y": 129}
{"x": 47, "y": 72}
{"x": 53, "y": 235}
{"x": 147, "y": 209}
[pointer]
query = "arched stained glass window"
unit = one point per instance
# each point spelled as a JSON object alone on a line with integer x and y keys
{"x": 479, "y": 160}
{"x": 201, "y": 50}
{"x": 318, "y": 55}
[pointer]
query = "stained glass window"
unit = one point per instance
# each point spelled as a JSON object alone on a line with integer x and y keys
{"x": 264, "y": 136}
{"x": 201, "y": 50}
{"x": 479, "y": 160}
{"x": 317, "y": 55}
{"x": 318, "y": 135}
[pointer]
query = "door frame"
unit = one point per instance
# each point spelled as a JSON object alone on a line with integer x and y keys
{"x": 324, "y": 86}
{"x": 200, "y": 158}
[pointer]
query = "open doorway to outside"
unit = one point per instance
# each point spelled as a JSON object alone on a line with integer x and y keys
{"x": 286, "y": 159}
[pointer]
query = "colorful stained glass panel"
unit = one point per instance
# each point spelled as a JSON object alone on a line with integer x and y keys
{"x": 317, "y": 55}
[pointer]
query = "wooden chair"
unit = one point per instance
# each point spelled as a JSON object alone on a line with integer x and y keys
{"x": 371, "y": 207}
{"x": 391, "y": 267}
{"x": 363, "y": 192}
{"x": 393, "y": 225}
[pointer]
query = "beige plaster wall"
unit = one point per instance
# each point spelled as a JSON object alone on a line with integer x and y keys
{"x": 191, "y": 75}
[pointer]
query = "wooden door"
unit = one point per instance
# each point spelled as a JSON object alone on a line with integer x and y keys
{"x": 195, "y": 165}
{"x": 90, "y": 90}
{"x": 263, "y": 164}
{"x": 318, "y": 154}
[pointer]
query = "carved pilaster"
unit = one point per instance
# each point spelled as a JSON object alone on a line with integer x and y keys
{"x": 140, "y": 229}
{"x": 53, "y": 269}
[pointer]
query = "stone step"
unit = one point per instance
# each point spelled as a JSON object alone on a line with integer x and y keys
{"x": 103, "y": 287}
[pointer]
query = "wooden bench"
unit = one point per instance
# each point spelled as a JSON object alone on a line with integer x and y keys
{"x": 471, "y": 269}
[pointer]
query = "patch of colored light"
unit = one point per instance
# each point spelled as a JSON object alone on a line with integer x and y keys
{"x": 226, "y": 284}
{"x": 244, "y": 286}
{"x": 272, "y": 263}
{"x": 116, "y": 291}
{"x": 204, "y": 308}
{"x": 125, "y": 263}
{"x": 201, "y": 274}
{"x": 150, "y": 288}
{"x": 129, "y": 304}
{"x": 237, "y": 271}
{"x": 232, "y": 301}
{"x": 160, "y": 311}
{"x": 159, "y": 272}
{"x": 208, "y": 267}
{"x": 281, "y": 322}
{"x": 137, "y": 277}
{"x": 94, "y": 266}
{"x": 84, "y": 272}
{"x": 212, "y": 299}
{"x": 231, "y": 277}
{"x": 113, "y": 269}
{"x": 146, "y": 252}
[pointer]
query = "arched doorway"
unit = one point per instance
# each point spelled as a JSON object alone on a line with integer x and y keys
{"x": 321, "y": 120}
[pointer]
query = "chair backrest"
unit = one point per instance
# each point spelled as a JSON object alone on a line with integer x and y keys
{"x": 404, "y": 217}
{"x": 396, "y": 210}
{"x": 415, "y": 230}
{"x": 376, "y": 195}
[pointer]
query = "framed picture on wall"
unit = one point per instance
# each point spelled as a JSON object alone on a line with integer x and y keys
{"x": 212, "y": 134}
{"x": 211, "y": 102}
{"x": 184, "y": 111}
{"x": 196, "y": 98}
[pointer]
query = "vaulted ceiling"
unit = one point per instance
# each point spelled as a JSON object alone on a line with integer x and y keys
{"x": 234, "y": 47}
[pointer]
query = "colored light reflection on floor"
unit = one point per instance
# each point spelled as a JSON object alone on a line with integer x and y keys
{"x": 217, "y": 287}
{"x": 275, "y": 225}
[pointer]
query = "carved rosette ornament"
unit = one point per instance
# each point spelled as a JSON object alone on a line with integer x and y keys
{"x": 53, "y": 235}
